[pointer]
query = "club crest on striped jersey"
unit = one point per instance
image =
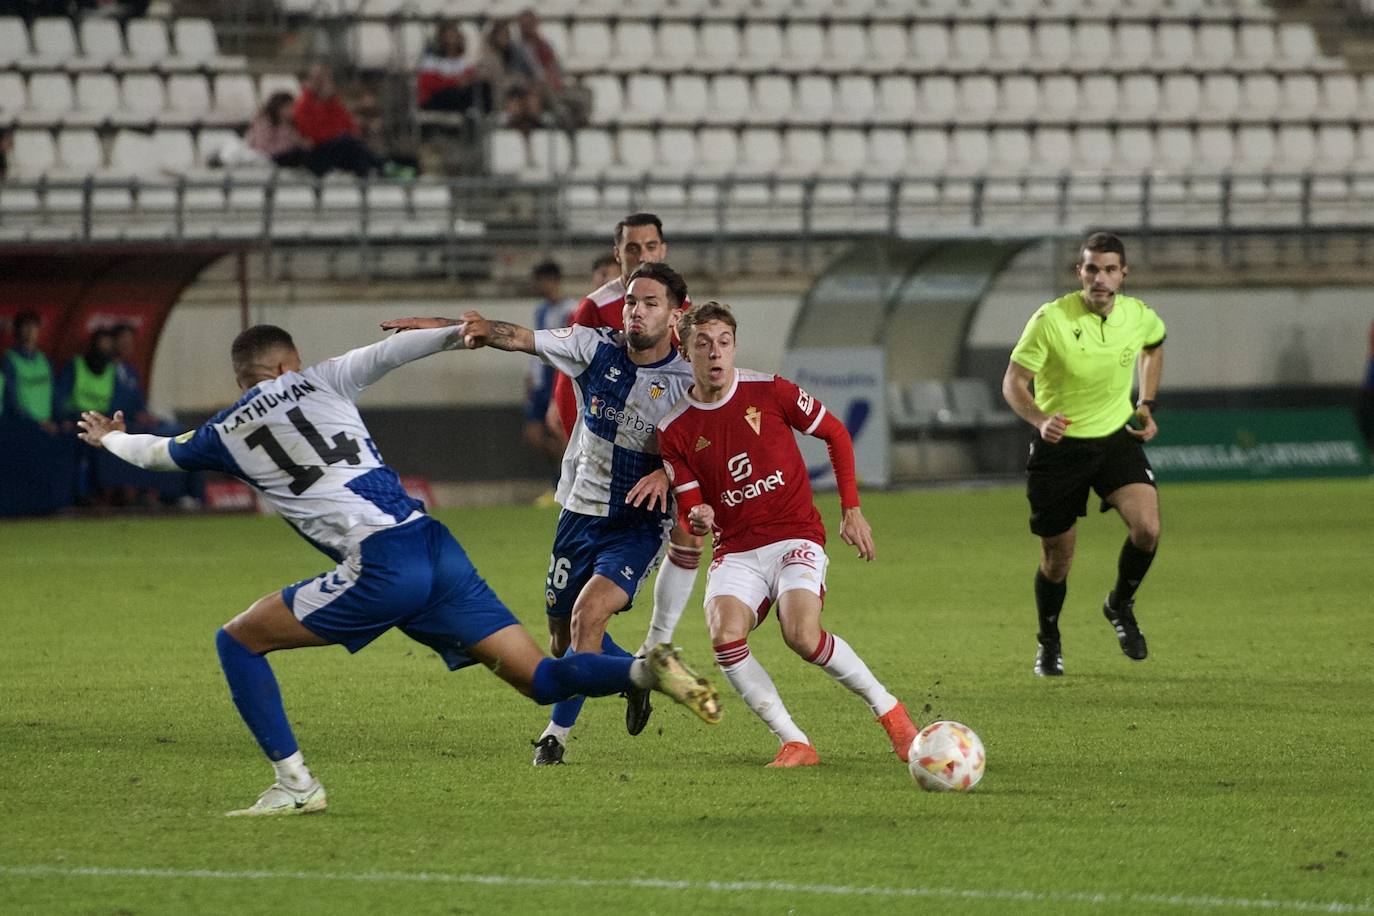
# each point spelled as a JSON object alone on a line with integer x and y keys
{"x": 755, "y": 418}
{"x": 657, "y": 388}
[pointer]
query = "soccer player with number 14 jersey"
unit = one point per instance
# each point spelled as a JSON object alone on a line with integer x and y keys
{"x": 730, "y": 452}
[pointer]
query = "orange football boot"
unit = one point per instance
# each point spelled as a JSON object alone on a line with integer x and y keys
{"x": 900, "y": 729}
{"x": 795, "y": 754}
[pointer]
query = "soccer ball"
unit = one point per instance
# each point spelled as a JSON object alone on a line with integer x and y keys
{"x": 947, "y": 757}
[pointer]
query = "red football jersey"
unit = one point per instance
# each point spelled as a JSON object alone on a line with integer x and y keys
{"x": 740, "y": 455}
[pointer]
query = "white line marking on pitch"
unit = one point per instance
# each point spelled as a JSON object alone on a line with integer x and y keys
{"x": 782, "y": 887}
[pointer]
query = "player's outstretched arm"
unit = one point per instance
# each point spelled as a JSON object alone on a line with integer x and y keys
{"x": 477, "y": 331}
{"x": 148, "y": 452}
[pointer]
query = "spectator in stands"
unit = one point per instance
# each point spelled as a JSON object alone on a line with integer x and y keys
{"x": 553, "y": 311}
{"x": 26, "y": 375}
{"x": 503, "y": 67}
{"x": 330, "y": 130}
{"x": 273, "y": 133}
{"x": 129, "y": 395}
{"x": 448, "y": 79}
{"x": 569, "y": 102}
{"x": 88, "y": 381}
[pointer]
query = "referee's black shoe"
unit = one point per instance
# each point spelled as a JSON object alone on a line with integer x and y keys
{"x": 1128, "y": 632}
{"x": 1049, "y": 658}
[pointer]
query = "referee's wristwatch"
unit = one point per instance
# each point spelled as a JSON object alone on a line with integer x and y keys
{"x": 1147, "y": 402}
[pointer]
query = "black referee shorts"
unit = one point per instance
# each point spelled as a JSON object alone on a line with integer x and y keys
{"x": 1061, "y": 473}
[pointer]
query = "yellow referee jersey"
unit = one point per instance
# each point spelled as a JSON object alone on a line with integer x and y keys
{"x": 1084, "y": 365}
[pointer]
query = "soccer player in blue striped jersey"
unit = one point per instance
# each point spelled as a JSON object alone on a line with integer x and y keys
{"x": 297, "y": 437}
{"x": 617, "y": 510}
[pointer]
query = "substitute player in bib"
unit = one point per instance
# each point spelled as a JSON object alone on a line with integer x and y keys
{"x": 297, "y": 437}
{"x": 1081, "y": 352}
{"x": 736, "y": 470}
{"x": 638, "y": 239}
{"x": 616, "y": 508}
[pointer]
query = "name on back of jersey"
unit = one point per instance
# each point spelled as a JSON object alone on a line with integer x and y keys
{"x": 258, "y": 408}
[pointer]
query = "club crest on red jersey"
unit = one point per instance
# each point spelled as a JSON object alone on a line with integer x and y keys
{"x": 755, "y": 418}
{"x": 702, "y": 442}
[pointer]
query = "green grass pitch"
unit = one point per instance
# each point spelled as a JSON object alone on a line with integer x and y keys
{"x": 1231, "y": 772}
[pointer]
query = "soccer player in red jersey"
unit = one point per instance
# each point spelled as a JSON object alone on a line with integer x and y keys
{"x": 735, "y": 468}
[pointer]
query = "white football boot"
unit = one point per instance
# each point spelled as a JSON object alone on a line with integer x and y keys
{"x": 278, "y": 799}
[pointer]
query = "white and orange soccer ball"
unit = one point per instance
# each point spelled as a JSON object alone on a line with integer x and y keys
{"x": 947, "y": 757}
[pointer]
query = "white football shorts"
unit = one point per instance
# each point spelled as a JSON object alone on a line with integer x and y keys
{"x": 758, "y": 577}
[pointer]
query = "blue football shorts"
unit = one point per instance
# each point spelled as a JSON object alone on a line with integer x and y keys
{"x": 588, "y": 545}
{"x": 415, "y": 577}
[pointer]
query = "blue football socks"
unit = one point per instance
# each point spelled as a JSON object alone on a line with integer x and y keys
{"x": 257, "y": 696}
{"x": 568, "y": 681}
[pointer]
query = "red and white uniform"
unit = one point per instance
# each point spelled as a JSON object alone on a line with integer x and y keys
{"x": 739, "y": 455}
{"x": 604, "y": 308}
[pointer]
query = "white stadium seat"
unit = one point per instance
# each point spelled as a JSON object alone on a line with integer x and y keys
{"x": 1220, "y": 97}
{"x": 1009, "y": 151}
{"x": 1216, "y": 45}
{"x": 1334, "y": 148}
{"x": 717, "y": 47}
{"x": 803, "y": 47}
{"x": 50, "y": 98}
{"x": 939, "y": 99}
{"x": 101, "y": 41}
{"x": 1180, "y": 96}
{"x": 760, "y": 151}
{"x": 235, "y": 99}
{"x": 1299, "y": 96}
{"x": 846, "y": 47}
{"x": 761, "y": 47}
{"x": 1098, "y": 97}
{"x": 729, "y": 99}
{"x": 676, "y": 47}
{"x": 968, "y": 152}
{"x": 1011, "y": 46}
{"x": 717, "y": 151}
{"x": 636, "y": 151}
{"x": 78, "y": 154}
{"x": 1295, "y": 148}
{"x": 590, "y": 46}
{"x": 188, "y": 99}
{"x": 970, "y": 46}
{"x": 846, "y": 153}
{"x": 897, "y": 101}
{"x": 133, "y": 154}
{"x": 1253, "y": 149}
{"x": 1340, "y": 96}
{"x": 1173, "y": 46}
{"x": 1058, "y": 98}
{"x": 13, "y": 96}
{"x": 608, "y": 98}
{"x": 141, "y": 99}
{"x": 887, "y": 153}
{"x": 1133, "y": 46}
{"x": 887, "y": 46}
{"x": 927, "y": 152}
{"x": 1053, "y": 150}
{"x": 508, "y": 155}
{"x": 197, "y": 46}
{"x": 1297, "y": 46}
{"x": 855, "y": 99}
{"x": 1173, "y": 150}
{"x": 1215, "y": 149}
{"x": 1137, "y": 97}
{"x": 977, "y": 98}
{"x": 1133, "y": 151}
{"x": 813, "y": 100}
{"x": 370, "y": 45}
{"x": 14, "y": 40}
{"x": 550, "y": 153}
{"x": 1092, "y": 47}
{"x": 1052, "y": 46}
{"x": 1092, "y": 151}
{"x": 677, "y": 152}
{"x": 97, "y": 99}
{"x": 32, "y": 155}
{"x": 209, "y": 142}
{"x": 54, "y": 43}
{"x": 632, "y": 46}
{"x": 1259, "y": 95}
{"x": 1255, "y": 46}
{"x": 687, "y": 99}
{"x": 175, "y": 151}
{"x": 146, "y": 45}
{"x": 803, "y": 152}
{"x": 772, "y": 98}
{"x": 930, "y": 46}
{"x": 1018, "y": 99}
{"x": 593, "y": 153}
{"x": 646, "y": 97}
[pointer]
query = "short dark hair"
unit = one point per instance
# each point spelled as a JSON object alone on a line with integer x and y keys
{"x": 638, "y": 219}
{"x": 547, "y": 270}
{"x": 259, "y": 340}
{"x": 659, "y": 270}
{"x": 701, "y": 314}
{"x": 28, "y": 316}
{"x": 123, "y": 327}
{"x": 1103, "y": 243}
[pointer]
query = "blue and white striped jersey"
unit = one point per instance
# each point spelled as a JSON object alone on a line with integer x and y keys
{"x": 299, "y": 439}
{"x": 619, "y": 406}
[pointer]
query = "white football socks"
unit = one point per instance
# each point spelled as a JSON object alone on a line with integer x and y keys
{"x": 292, "y": 772}
{"x": 672, "y": 588}
{"x": 842, "y": 663}
{"x": 558, "y": 731}
{"x": 756, "y": 689}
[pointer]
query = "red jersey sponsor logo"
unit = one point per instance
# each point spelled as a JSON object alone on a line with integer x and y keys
{"x": 753, "y": 490}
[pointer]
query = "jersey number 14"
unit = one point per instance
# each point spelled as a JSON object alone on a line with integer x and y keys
{"x": 341, "y": 448}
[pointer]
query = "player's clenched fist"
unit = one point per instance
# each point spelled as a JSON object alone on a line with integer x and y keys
{"x": 701, "y": 518}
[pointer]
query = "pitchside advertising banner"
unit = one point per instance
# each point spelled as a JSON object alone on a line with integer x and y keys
{"x": 1257, "y": 445}
{"x": 849, "y": 382}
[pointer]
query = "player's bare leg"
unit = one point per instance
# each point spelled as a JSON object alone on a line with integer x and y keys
{"x": 1051, "y": 585}
{"x": 1138, "y": 504}
{"x": 729, "y": 621}
{"x": 799, "y": 613}
{"x": 596, "y": 604}
{"x": 266, "y": 627}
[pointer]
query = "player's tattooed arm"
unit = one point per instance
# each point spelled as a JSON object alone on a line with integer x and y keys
{"x": 481, "y": 332}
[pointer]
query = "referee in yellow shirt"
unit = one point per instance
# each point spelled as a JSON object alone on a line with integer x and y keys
{"x": 1081, "y": 352}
